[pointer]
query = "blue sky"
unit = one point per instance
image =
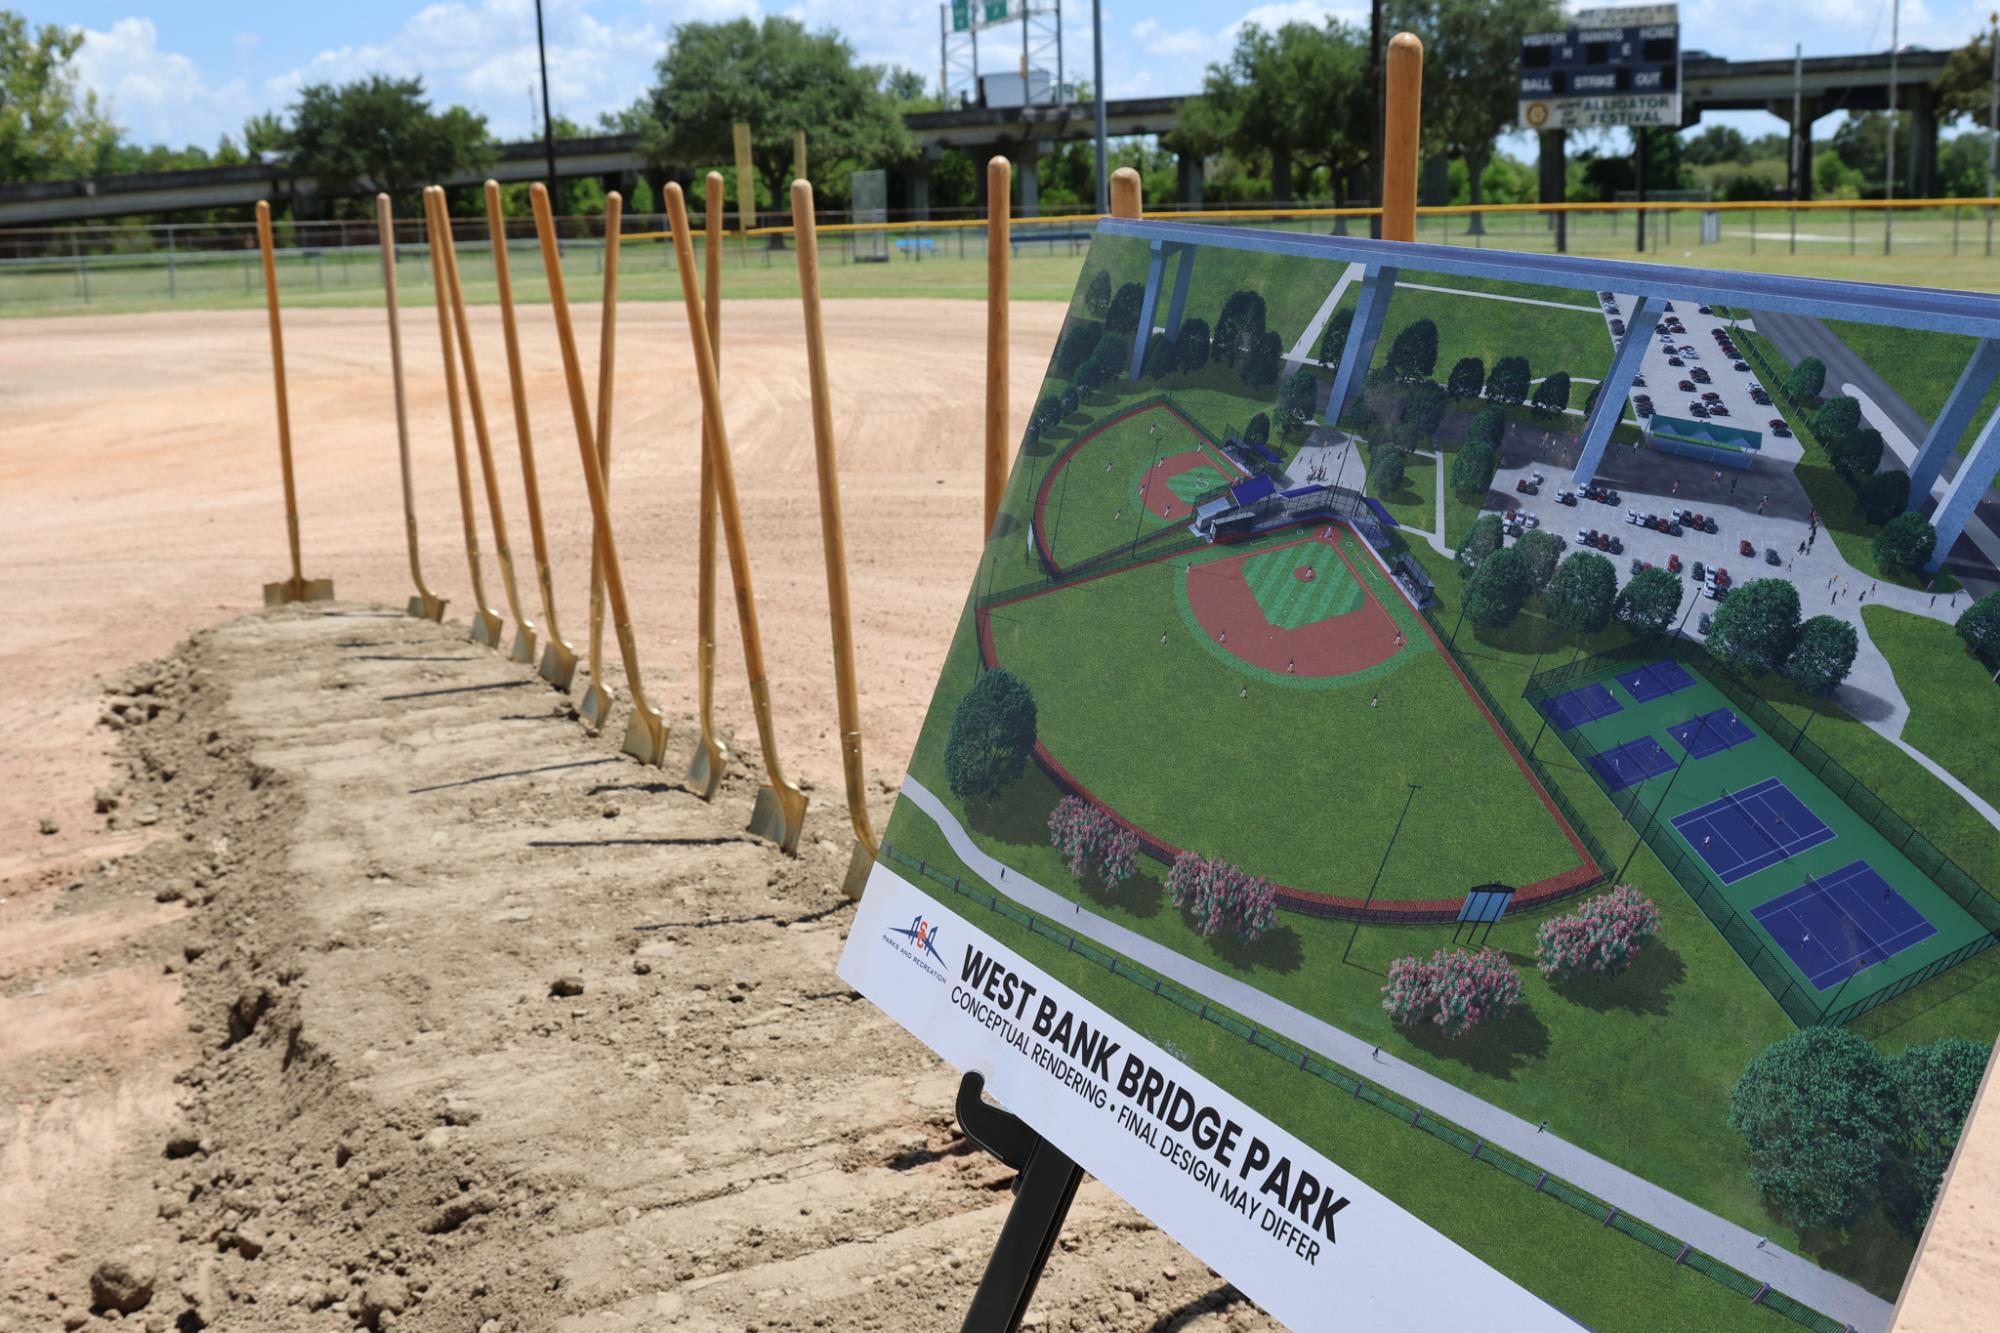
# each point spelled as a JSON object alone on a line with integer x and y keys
{"x": 180, "y": 71}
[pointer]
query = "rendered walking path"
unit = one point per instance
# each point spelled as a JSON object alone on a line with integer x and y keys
{"x": 1797, "y": 1277}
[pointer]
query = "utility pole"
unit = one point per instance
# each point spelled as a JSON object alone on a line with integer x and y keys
{"x": 1377, "y": 93}
{"x": 1639, "y": 175}
{"x": 548, "y": 122}
{"x": 1097, "y": 111}
{"x": 1889, "y": 182}
{"x": 1799, "y": 154}
{"x": 1992, "y": 121}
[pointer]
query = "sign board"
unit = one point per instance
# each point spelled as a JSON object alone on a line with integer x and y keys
{"x": 1613, "y": 67}
{"x": 1180, "y": 860}
{"x": 972, "y": 15}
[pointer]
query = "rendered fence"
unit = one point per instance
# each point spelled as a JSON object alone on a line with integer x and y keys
{"x": 1750, "y": 942}
{"x": 1359, "y": 1089}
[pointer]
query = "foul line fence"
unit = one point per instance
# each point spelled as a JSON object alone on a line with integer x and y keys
{"x": 1414, "y": 1117}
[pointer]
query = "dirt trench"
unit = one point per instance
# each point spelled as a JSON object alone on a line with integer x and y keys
{"x": 488, "y": 1028}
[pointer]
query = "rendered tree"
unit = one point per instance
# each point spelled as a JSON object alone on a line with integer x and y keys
{"x": 1456, "y": 989}
{"x": 1884, "y": 495}
{"x": 1468, "y": 377}
{"x": 1498, "y": 588}
{"x": 50, "y": 129}
{"x": 1509, "y": 381}
{"x": 1756, "y": 626}
{"x": 1552, "y": 394}
{"x": 1472, "y": 469}
{"x": 1808, "y": 377}
{"x": 1259, "y": 429}
{"x": 1192, "y": 346}
{"x": 1648, "y": 602}
{"x": 1079, "y": 339}
{"x": 1488, "y": 427}
{"x": 1297, "y": 397}
{"x": 1092, "y": 842}
{"x": 1582, "y": 592}
{"x": 1159, "y": 358}
{"x": 992, "y": 735}
{"x": 1540, "y": 549}
{"x": 780, "y": 78}
{"x": 1239, "y": 326}
{"x": 1590, "y": 399}
{"x": 1822, "y": 656}
{"x": 1069, "y": 400}
{"x": 1482, "y": 539}
{"x": 1979, "y": 627}
{"x": 1939, "y": 1082}
{"x": 1333, "y": 338}
{"x": 1602, "y": 936}
{"x": 1123, "y": 316}
{"x": 1387, "y": 471}
{"x": 1414, "y": 353}
{"x": 1905, "y": 544}
{"x": 381, "y": 132}
{"x": 1818, "y": 1112}
{"x": 1423, "y": 413}
{"x": 1220, "y": 896}
{"x": 1836, "y": 419}
{"x": 1266, "y": 359}
{"x": 1857, "y": 454}
{"x": 1049, "y": 412}
{"x": 1097, "y": 296}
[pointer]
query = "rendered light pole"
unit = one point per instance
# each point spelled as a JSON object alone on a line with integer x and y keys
{"x": 1380, "y": 867}
{"x": 1097, "y": 108}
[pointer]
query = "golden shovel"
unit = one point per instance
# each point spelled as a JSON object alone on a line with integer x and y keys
{"x": 524, "y": 629}
{"x": 781, "y": 807}
{"x": 426, "y": 605}
{"x": 646, "y": 733}
{"x": 834, "y": 539}
{"x": 711, "y": 756}
{"x": 598, "y": 697}
{"x": 486, "y": 622}
{"x": 297, "y": 588}
{"x": 558, "y": 666}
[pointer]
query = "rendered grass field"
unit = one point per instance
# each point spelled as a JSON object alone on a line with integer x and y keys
{"x": 1920, "y": 366}
{"x": 1093, "y": 501}
{"x": 1954, "y": 704}
{"x": 1577, "y": 343}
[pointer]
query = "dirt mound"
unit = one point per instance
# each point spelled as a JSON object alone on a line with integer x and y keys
{"x": 495, "y": 1030}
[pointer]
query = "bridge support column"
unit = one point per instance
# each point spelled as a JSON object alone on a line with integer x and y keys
{"x": 1359, "y": 351}
{"x": 1027, "y": 158}
{"x": 1190, "y": 179}
{"x": 1949, "y": 428}
{"x": 1611, "y": 394}
{"x": 1923, "y": 145}
{"x": 1961, "y": 497}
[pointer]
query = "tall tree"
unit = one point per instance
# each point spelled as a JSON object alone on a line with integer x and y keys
{"x": 381, "y": 132}
{"x": 1498, "y": 588}
{"x": 1756, "y": 626}
{"x": 1939, "y": 1082}
{"x": 1472, "y": 54}
{"x": 1818, "y": 1111}
{"x": 49, "y": 129}
{"x": 1823, "y": 655}
{"x": 1582, "y": 593}
{"x": 1296, "y": 90}
{"x": 780, "y": 78}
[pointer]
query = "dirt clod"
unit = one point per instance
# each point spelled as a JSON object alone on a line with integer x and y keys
{"x": 122, "y": 1283}
{"x": 568, "y": 984}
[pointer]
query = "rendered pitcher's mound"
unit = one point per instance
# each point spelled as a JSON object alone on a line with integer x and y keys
{"x": 1299, "y": 610}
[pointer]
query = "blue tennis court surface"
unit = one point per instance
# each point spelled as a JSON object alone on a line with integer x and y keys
{"x": 1656, "y": 680}
{"x": 1711, "y": 733}
{"x": 1632, "y": 763}
{"x": 1583, "y": 705}
{"x": 1751, "y": 830}
{"x": 1838, "y": 924}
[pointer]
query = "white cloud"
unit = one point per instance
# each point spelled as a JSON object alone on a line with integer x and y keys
{"x": 1156, "y": 40}
{"x": 158, "y": 96}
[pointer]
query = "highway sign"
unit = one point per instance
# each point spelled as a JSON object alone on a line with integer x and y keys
{"x": 1615, "y": 67}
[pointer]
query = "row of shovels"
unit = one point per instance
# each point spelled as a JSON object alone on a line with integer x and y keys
{"x": 779, "y": 814}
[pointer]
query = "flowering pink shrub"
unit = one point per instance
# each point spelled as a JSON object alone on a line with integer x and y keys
{"x": 1091, "y": 840}
{"x": 1221, "y": 896}
{"x": 1601, "y": 936}
{"x": 1457, "y": 990}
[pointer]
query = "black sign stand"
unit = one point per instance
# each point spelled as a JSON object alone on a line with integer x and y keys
{"x": 1042, "y": 1193}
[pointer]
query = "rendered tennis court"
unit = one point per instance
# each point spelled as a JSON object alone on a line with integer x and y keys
{"x": 1843, "y": 911}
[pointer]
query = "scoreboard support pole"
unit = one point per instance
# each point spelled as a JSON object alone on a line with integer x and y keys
{"x": 1639, "y": 180}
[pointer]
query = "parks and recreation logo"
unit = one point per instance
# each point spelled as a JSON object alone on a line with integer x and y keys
{"x": 918, "y": 943}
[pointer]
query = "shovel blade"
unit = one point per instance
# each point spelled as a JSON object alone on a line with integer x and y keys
{"x": 558, "y": 664}
{"x": 646, "y": 737}
{"x": 858, "y": 867}
{"x": 780, "y": 816}
{"x": 286, "y": 591}
{"x": 426, "y": 606}
{"x": 596, "y": 707}
{"x": 706, "y": 768}
{"x": 524, "y": 646}
{"x": 486, "y": 628}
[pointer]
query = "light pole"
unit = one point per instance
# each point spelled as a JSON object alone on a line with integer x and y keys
{"x": 1097, "y": 110}
{"x": 1378, "y": 870}
{"x": 548, "y": 123}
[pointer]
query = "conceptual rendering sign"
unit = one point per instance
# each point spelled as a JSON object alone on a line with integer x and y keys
{"x": 1612, "y": 67}
{"x": 1331, "y": 617}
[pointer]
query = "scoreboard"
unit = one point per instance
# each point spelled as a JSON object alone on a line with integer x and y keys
{"x": 1613, "y": 67}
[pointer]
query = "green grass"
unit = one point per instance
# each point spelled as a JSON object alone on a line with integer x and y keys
{"x": 1590, "y": 1271}
{"x": 1552, "y": 340}
{"x": 1954, "y": 704}
{"x": 1293, "y": 287}
{"x": 1920, "y": 366}
{"x": 1288, "y": 601}
{"x": 1415, "y": 502}
{"x": 1095, "y": 501}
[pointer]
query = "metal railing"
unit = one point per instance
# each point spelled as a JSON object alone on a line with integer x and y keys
{"x": 1351, "y": 1085}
